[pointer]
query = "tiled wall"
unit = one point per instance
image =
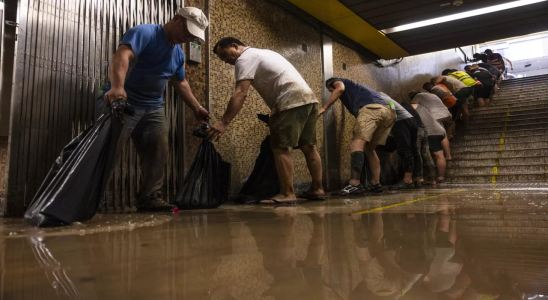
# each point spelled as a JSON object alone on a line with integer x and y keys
{"x": 3, "y": 171}
{"x": 395, "y": 81}
{"x": 259, "y": 24}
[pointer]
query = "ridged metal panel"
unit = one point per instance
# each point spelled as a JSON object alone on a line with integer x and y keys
{"x": 64, "y": 47}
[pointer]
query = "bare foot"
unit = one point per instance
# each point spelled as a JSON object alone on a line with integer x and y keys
{"x": 448, "y": 158}
{"x": 280, "y": 199}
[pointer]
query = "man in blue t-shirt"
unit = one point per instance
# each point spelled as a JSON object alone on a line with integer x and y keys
{"x": 155, "y": 57}
{"x": 374, "y": 120}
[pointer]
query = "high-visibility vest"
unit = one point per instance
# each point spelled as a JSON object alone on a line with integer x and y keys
{"x": 447, "y": 98}
{"x": 463, "y": 77}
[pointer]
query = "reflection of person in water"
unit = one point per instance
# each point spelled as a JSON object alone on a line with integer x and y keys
{"x": 275, "y": 238}
{"x": 390, "y": 253}
{"x": 446, "y": 264}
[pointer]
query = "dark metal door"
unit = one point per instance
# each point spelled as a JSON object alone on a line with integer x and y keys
{"x": 63, "y": 51}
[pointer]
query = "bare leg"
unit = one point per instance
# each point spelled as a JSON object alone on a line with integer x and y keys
{"x": 465, "y": 115}
{"x": 374, "y": 163}
{"x": 446, "y": 148}
{"x": 314, "y": 164}
{"x": 481, "y": 102}
{"x": 441, "y": 164}
{"x": 284, "y": 166}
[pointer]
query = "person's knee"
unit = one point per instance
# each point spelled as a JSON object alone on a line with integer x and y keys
{"x": 280, "y": 151}
{"x": 307, "y": 150}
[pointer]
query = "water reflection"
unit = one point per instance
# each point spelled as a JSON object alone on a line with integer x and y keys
{"x": 303, "y": 252}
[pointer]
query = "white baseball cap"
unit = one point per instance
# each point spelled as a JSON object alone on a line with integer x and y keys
{"x": 196, "y": 21}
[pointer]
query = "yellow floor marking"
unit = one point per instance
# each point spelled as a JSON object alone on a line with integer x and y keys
{"x": 501, "y": 147}
{"x": 495, "y": 170}
{"x": 493, "y": 179}
{"x": 502, "y": 141}
{"x": 406, "y": 202}
{"x": 504, "y": 134}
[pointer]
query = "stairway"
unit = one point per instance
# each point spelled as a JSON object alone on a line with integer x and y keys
{"x": 507, "y": 142}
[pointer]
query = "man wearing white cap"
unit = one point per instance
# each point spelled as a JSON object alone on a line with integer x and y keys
{"x": 148, "y": 56}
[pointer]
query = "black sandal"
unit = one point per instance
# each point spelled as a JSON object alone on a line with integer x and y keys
{"x": 310, "y": 197}
{"x": 274, "y": 201}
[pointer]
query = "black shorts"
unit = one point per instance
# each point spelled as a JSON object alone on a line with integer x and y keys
{"x": 454, "y": 110}
{"x": 487, "y": 91}
{"x": 435, "y": 142}
{"x": 478, "y": 91}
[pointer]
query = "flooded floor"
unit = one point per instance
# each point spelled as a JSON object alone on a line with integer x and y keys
{"x": 465, "y": 242}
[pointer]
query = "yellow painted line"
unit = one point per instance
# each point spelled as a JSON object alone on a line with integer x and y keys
{"x": 495, "y": 170}
{"x": 406, "y": 202}
{"x": 501, "y": 147}
{"x": 502, "y": 141}
{"x": 504, "y": 134}
{"x": 493, "y": 179}
{"x": 497, "y": 162}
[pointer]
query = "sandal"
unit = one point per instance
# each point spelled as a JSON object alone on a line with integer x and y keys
{"x": 310, "y": 197}
{"x": 274, "y": 201}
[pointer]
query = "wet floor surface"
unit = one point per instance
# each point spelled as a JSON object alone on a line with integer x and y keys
{"x": 463, "y": 242}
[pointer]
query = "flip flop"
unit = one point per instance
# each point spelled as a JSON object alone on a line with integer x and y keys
{"x": 310, "y": 197}
{"x": 274, "y": 201}
{"x": 441, "y": 181}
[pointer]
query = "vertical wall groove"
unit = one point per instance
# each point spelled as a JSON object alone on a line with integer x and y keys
{"x": 64, "y": 47}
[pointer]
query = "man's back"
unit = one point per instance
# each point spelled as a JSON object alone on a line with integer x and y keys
{"x": 155, "y": 62}
{"x": 463, "y": 77}
{"x": 483, "y": 76}
{"x": 444, "y": 94}
{"x": 356, "y": 96}
{"x": 433, "y": 104}
{"x": 276, "y": 79}
{"x": 496, "y": 60}
{"x": 454, "y": 85}
{"x": 492, "y": 69}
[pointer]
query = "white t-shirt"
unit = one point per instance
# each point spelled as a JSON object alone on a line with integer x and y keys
{"x": 277, "y": 81}
{"x": 454, "y": 85}
{"x": 433, "y": 104}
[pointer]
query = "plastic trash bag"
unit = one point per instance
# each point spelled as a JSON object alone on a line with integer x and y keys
{"x": 74, "y": 186}
{"x": 207, "y": 183}
{"x": 263, "y": 183}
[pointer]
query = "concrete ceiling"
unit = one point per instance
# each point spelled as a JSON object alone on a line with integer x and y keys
{"x": 362, "y": 20}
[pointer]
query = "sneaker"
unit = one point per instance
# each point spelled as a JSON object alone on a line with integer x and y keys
{"x": 377, "y": 188}
{"x": 402, "y": 185}
{"x": 155, "y": 203}
{"x": 350, "y": 189}
{"x": 418, "y": 184}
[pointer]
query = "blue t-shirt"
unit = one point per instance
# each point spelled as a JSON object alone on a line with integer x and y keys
{"x": 356, "y": 96}
{"x": 155, "y": 62}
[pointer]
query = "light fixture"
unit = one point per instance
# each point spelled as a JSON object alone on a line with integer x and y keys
{"x": 463, "y": 15}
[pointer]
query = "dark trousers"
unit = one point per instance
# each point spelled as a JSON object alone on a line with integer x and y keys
{"x": 404, "y": 139}
{"x": 427, "y": 161}
{"x": 148, "y": 130}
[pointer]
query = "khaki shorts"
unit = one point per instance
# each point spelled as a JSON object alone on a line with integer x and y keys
{"x": 294, "y": 127}
{"x": 374, "y": 123}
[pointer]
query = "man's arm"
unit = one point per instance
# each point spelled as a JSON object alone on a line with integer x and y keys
{"x": 117, "y": 73}
{"x": 234, "y": 106}
{"x": 339, "y": 90}
{"x": 511, "y": 65}
{"x": 183, "y": 90}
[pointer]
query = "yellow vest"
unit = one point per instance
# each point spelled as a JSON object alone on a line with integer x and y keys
{"x": 464, "y": 78}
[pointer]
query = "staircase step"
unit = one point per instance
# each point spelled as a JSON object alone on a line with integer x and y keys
{"x": 501, "y": 141}
{"x": 515, "y": 117}
{"x": 498, "y": 154}
{"x": 506, "y": 146}
{"x": 500, "y": 170}
{"x": 538, "y": 111}
{"x": 514, "y": 104}
{"x": 498, "y": 162}
{"x": 487, "y": 178}
{"x": 528, "y": 91}
{"x": 503, "y": 110}
{"x": 517, "y": 99}
{"x": 498, "y": 128}
{"x": 507, "y": 134}
{"x": 502, "y": 124}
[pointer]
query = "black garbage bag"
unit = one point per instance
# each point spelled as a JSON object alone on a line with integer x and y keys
{"x": 207, "y": 184}
{"x": 72, "y": 190}
{"x": 263, "y": 183}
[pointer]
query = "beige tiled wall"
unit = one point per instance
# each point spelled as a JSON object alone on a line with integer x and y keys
{"x": 3, "y": 171}
{"x": 257, "y": 23}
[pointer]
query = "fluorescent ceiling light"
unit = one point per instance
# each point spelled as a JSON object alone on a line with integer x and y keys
{"x": 1, "y": 5}
{"x": 463, "y": 15}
